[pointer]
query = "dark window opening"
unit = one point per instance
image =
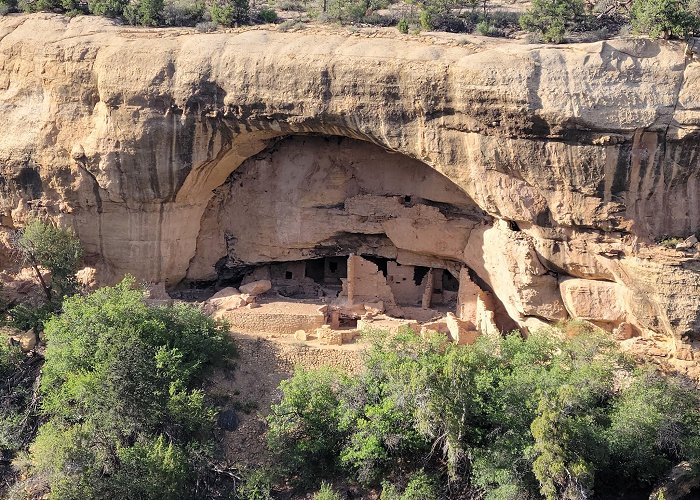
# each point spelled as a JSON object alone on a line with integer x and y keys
{"x": 348, "y": 322}
{"x": 380, "y": 262}
{"x": 449, "y": 282}
{"x": 333, "y": 266}
{"x": 288, "y": 275}
{"x": 314, "y": 270}
{"x": 419, "y": 273}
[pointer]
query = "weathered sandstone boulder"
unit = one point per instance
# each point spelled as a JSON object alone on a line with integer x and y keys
{"x": 256, "y": 287}
{"x": 593, "y": 300}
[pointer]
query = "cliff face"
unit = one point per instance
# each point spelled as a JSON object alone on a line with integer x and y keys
{"x": 568, "y": 161}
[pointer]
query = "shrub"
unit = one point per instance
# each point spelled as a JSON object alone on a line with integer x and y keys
{"x": 144, "y": 12}
{"x": 664, "y": 18}
{"x": 107, "y": 8}
{"x": 256, "y": 485}
{"x": 304, "y": 426}
{"x": 403, "y": 26}
{"x": 6, "y": 7}
{"x": 182, "y": 12}
{"x": 267, "y": 15}
{"x": 485, "y": 28}
{"x": 326, "y": 492}
{"x": 55, "y": 249}
{"x": 230, "y": 13}
{"x": 551, "y": 18}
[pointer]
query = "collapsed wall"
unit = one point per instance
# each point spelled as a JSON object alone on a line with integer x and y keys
{"x": 573, "y": 161}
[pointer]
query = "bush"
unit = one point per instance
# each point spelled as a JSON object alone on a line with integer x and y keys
{"x": 326, "y": 492}
{"x": 256, "y": 485}
{"x": 144, "y": 12}
{"x": 267, "y": 15}
{"x": 304, "y": 426}
{"x": 182, "y": 12}
{"x": 551, "y": 18}
{"x": 664, "y": 18}
{"x": 230, "y": 13}
{"x": 107, "y": 8}
{"x": 403, "y": 26}
{"x": 125, "y": 416}
{"x": 485, "y": 28}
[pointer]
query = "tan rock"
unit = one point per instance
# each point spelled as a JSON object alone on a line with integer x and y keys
{"x": 301, "y": 335}
{"x": 461, "y": 332}
{"x": 25, "y": 340}
{"x": 488, "y": 167}
{"x": 684, "y": 354}
{"x": 593, "y": 300}
{"x": 225, "y": 293}
{"x": 256, "y": 287}
{"x": 624, "y": 331}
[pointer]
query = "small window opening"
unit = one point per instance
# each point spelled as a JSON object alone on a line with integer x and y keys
{"x": 288, "y": 275}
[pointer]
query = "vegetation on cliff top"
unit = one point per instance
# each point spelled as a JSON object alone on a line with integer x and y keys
{"x": 547, "y": 20}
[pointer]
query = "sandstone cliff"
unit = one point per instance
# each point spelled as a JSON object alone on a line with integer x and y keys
{"x": 567, "y": 163}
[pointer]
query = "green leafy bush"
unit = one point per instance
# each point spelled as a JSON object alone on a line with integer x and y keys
{"x": 326, "y": 492}
{"x": 144, "y": 12}
{"x": 256, "y": 484}
{"x": 267, "y": 15}
{"x": 485, "y": 28}
{"x": 304, "y": 426}
{"x": 230, "y": 12}
{"x": 125, "y": 416}
{"x": 509, "y": 417}
{"x": 403, "y": 26}
{"x": 107, "y": 8}
{"x": 551, "y": 18}
{"x": 664, "y": 18}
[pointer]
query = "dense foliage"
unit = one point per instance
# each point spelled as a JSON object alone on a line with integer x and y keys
{"x": 511, "y": 418}
{"x": 664, "y": 18}
{"x": 125, "y": 416}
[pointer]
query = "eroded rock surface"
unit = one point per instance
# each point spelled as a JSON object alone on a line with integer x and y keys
{"x": 566, "y": 161}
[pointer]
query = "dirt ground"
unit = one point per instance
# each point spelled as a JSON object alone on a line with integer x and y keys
{"x": 251, "y": 387}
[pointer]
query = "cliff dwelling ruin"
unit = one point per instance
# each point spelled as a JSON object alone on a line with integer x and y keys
{"x": 344, "y": 232}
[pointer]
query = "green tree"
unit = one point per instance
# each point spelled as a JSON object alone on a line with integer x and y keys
{"x": 230, "y": 12}
{"x": 304, "y": 428}
{"x": 664, "y": 18}
{"x": 42, "y": 244}
{"x": 551, "y": 18}
{"x": 145, "y": 12}
{"x": 125, "y": 414}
